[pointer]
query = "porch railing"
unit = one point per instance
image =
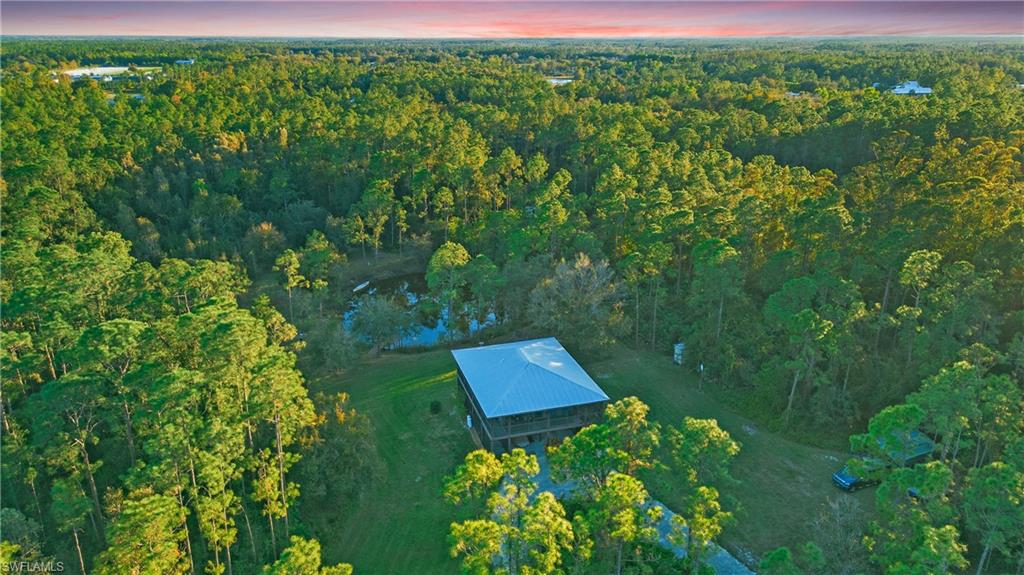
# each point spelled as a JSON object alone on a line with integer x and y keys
{"x": 499, "y": 430}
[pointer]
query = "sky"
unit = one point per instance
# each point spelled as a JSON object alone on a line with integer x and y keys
{"x": 512, "y": 19}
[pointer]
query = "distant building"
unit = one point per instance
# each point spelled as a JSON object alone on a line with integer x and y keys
{"x": 559, "y": 80}
{"x": 96, "y": 72}
{"x": 185, "y": 62}
{"x": 911, "y": 88}
{"x": 526, "y": 391}
{"x": 109, "y": 73}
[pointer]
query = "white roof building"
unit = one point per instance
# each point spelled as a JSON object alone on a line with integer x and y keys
{"x": 526, "y": 376}
{"x": 95, "y": 72}
{"x": 526, "y": 391}
{"x": 911, "y": 88}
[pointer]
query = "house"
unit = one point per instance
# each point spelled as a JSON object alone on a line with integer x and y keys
{"x": 911, "y": 88}
{"x": 526, "y": 391}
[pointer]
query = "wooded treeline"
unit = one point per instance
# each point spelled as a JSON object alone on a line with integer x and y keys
{"x": 820, "y": 245}
{"x": 148, "y": 421}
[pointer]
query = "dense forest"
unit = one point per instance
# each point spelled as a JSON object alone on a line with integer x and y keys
{"x": 179, "y": 251}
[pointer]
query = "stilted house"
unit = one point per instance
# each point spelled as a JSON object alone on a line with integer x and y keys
{"x": 525, "y": 391}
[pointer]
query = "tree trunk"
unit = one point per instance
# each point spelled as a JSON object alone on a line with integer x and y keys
{"x": 273, "y": 534}
{"x": 280, "y": 467}
{"x": 618, "y": 560}
{"x": 248, "y": 526}
{"x": 195, "y": 494}
{"x": 35, "y": 498}
{"x": 129, "y": 432}
{"x": 92, "y": 488}
{"x": 977, "y": 444}
{"x": 984, "y": 559}
{"x": 679, "y": 271}
{"x": 654, "y": 320}
{"x": 188, "y": 548}
{"x": 3, "y": 413}
{"x": 718, "y": 324}
{"x": 980, "y": 450}
{"x": 184, "y": 525}
{"x": 291, "y": 311}
{"x": 49, "y": 363}
{"x": 637, "y": 315}
{"x": 792, "y": 394}
{"x": 910, "y": 352}
{"x": 885, "y": 304}
{"x": 248, "y": 433}
{"x": 78, "y": 547}
{"x": 227, "y": 554}
{"x": 956, "y": 446}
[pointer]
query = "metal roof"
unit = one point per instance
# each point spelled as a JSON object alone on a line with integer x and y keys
{"x": 526, "y": 376}
{"x": 911, "y": 87}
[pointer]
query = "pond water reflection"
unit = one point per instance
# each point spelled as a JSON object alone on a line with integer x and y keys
{"x": 434, "y": 322}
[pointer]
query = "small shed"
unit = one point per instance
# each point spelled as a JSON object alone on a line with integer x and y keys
{"x": 525, "y": 391}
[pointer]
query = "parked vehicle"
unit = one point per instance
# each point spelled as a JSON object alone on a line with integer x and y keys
{"x": 914, "y": 448}
{"x": 846, "y": 480}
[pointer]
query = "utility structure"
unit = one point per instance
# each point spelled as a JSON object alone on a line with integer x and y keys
{"x": 526, "y": 391}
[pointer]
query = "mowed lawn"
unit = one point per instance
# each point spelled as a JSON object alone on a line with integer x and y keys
{"x": 783, "y": 485}
{"x": 400, "y": 526}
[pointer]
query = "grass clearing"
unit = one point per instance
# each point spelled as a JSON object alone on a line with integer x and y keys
{"x": 783, "y": 485}
{"x": 400, "y": 525}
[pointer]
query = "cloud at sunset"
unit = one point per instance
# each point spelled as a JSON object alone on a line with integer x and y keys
{"x": 498, "y": 19}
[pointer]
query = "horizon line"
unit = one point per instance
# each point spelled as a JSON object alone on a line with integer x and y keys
{"x": 503, "y": 19}
{"x": 503, "y": 39}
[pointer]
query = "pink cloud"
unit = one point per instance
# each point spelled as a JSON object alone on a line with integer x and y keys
{"x": 506, "y": 19}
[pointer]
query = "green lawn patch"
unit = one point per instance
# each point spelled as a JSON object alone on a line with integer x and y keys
{"x": 400, "y": 525}
{"x": 783, "y": 485}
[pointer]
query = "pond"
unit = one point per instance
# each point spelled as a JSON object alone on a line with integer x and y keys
{"x": 434, "y": 323}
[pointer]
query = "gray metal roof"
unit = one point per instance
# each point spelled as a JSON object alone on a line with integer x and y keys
{"x": 526, "y": 376}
